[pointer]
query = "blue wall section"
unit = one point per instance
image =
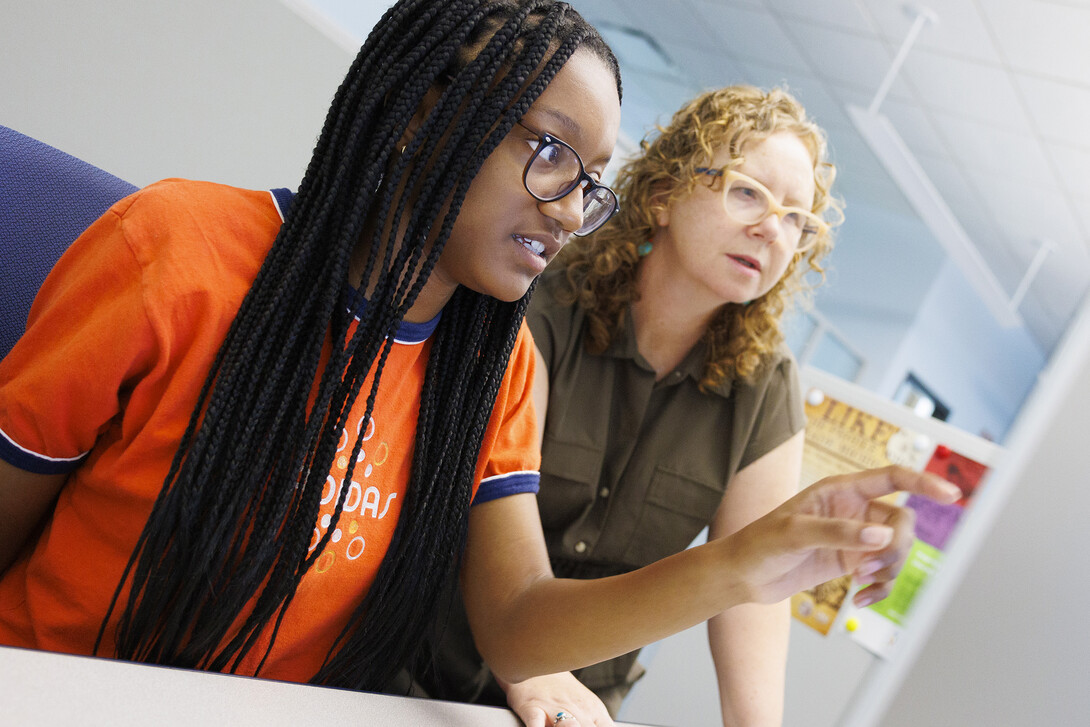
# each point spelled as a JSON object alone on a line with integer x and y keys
{"x": 980, "y": 369}
{"x": 897, "y": 299}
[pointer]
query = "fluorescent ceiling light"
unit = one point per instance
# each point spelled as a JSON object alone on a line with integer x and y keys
{"x": 929, "y": 204}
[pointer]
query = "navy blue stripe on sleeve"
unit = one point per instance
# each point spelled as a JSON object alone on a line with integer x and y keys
{"x": 29, "y": 461}
{"x": 515, "y": 483}
{"x": 283, "y": 197}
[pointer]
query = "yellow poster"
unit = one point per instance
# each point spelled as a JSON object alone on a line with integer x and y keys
{"x": 841, "y": 439}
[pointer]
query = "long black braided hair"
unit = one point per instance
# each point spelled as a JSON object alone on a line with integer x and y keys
{"x": 228, "y": 539}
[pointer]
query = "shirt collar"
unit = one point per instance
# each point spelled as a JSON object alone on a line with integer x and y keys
{"x": 691, "y": 367}
{"x": 354, "y": 302}
{"x": 407, "y": 333}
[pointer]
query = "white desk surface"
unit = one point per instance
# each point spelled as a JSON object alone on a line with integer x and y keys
{"x": 38, "y": 688}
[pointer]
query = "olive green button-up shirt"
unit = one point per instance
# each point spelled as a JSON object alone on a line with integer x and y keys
{"x": 632, "y": 468}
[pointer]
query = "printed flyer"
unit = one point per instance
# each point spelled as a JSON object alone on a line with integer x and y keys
{"x": 841, "y": 438}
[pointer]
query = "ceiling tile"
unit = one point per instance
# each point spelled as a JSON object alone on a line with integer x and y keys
{"x": 668, "y": 95}
{"x": 637, "y": 52}
{"x": 673, "y": 22}
{"x": 1046, "y": 315}
{"x": 1060, "y": 111}
{"x": 750, "y": 33}
{"x": 1060, "y": 283}
{"x": 1073, "y": 166}
{"x": 842, "y": 13}
{"x": 766, "y": 76}
{"x": 914, "y": 126}
{"x": 709, "y": 68}
{"x": 1028, "y": 213}
{"x": 967, "y": 89}
{"x": 1046, "y": 38}
{"x": 976, "y": 218}
{"x": 848, "y": 59}
{"x": 883, "y": 260}
{"x": 596, "y": 10}
{"x": 751, "y": 4}
{"x": 640, "y": 110}
{"x": 982, "y": 147}
{"x": 965, "y": 201}
{"x": 861, "y": 178}
{"x": 822, "y": 106}
{"x": 958, "y": 31}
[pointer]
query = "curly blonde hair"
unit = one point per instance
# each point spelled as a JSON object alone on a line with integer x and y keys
{"x": 601, "y": 268}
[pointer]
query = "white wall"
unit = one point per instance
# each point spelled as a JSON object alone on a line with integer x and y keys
{"x": 1011, "y": 647}
{"x": 232, "y": 92}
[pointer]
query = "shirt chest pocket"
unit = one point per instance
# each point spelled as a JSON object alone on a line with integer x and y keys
{"x": 569, "y": 478}
{"x": 677, "y": 507}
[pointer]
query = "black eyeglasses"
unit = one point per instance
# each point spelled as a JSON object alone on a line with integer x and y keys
{"x": 555, "y": 171}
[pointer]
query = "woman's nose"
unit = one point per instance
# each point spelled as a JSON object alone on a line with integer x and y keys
{"x": 567, "y": 211}
{"x": 770, "y": 228}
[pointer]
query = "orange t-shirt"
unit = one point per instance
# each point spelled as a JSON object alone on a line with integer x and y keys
{"x": 103, "y": 383}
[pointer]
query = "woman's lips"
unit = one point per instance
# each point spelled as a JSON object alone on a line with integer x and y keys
{"x": 747, "y": 262}
{"x": 535, "y": 246}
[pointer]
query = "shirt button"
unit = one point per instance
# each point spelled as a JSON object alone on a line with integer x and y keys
{"x": 581, "y": 547}
{"x": 604, "y": 492}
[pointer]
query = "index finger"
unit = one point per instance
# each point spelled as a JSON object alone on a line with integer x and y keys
{"x": 887, "y": 480}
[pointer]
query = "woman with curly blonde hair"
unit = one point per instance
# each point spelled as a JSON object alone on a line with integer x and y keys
{"x": 602, "y": 270}
{"x": 672, "y": 404}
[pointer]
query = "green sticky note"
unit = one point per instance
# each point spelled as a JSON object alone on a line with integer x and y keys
{"x": 923, "y": 561}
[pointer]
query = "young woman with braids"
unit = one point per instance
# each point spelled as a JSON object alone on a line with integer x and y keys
{"x": 240, "y": 442}
{"x": 667, "y": 399}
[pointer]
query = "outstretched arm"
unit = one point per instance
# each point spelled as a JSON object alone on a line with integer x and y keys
{"x": 527, "y": 622}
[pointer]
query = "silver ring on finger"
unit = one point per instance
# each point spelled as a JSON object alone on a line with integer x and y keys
{"x": 560, "y": 717}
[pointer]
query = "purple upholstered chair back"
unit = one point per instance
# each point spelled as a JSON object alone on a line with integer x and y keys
{"x": 47, "y": 198}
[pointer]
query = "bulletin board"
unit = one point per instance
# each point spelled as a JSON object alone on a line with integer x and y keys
{"x": 849, "y": 429}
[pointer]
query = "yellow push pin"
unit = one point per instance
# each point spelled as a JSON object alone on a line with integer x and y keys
{"x": 851, "y": 625}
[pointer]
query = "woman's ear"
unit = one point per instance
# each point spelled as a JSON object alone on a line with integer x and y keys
{"x": 660, "y": 205}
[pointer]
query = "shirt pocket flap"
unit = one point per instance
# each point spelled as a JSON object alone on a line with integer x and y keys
{"x": 674, "y": 512}
{"x": 571, "y": 461}
{"x": 569, "y": 479}
{"x": 683, "y": 495}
